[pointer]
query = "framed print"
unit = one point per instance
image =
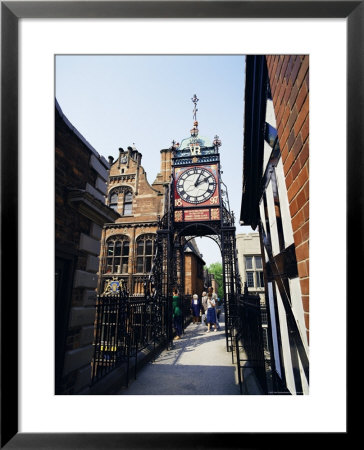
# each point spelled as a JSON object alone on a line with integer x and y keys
{"x": 12, "y": 14}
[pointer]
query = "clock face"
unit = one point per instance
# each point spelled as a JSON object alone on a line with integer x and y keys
{"x": 196, "y": 185}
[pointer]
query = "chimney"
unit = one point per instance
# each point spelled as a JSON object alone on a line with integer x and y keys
{"x": 166, "y": 164}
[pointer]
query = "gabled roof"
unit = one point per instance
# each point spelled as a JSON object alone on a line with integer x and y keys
{"x": 191, "y": 247}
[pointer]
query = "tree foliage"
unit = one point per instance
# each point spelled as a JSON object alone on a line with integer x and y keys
{"x": 216, "y": 270}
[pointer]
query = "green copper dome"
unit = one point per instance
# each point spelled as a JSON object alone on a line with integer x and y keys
{"x": 201, "y": 140}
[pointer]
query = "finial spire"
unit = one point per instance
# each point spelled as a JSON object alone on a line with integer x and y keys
{"x": 217, "y": 141}
{"x": 195, "y": 100}
{"x": 194, "y": 131}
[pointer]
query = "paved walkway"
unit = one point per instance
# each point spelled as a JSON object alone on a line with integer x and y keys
{"x": 198, "y": 364}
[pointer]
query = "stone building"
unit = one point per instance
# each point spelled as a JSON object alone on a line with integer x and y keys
{"x": 250, "y": 263}
{"x": 129, "y": 243}
{"x": 275, "y": 199}
{"x": 106, "y": 215}
{"x": 251, "y": 272}
{"x": 80, "y": 213}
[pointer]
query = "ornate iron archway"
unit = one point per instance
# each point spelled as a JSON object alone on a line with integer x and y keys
{"x": 196, "y": 204}
{"x": 168, "y": 269}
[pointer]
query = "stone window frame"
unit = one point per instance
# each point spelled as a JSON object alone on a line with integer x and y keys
{"x": 145, "y": 259}
{"x": 124, "y": 258}
{"x": 128, "y": 202}
{"x": 255, "y": 271}
{"x": 125, "y": 190}
{"x": 113, "y": 200}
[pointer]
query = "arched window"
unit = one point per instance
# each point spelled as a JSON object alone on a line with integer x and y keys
{"x": 128, "y": 204}
{"x": 117, "y": 254}
{"x": 113, "y": 202}
{"x": 145, "y": 251}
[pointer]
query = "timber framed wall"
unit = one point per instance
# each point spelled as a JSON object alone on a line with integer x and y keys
{"x": 276, "y": 200}
{"x": 289, "y": 83}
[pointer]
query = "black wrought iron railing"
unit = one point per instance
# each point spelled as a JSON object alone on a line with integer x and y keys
{"x": 249, "y": 339}
{"x": 186, "y": 310}
{"x": 135, "y": 282}
{"x": 123, "y": 327}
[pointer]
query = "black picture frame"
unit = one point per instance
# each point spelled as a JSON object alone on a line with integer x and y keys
{"x": 11, "y": 13}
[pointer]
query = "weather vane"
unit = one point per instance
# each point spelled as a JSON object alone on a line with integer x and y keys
{"x": 194, "y": 100}
{"x": 194, "y": 131}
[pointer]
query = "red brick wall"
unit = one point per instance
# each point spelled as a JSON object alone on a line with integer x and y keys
{"x": 289, "y": 82}
{"x": 72, "y": 170}
{"x": 193, "y": 267}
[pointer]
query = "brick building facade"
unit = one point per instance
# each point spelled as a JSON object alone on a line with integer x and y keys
{"x": 289, "y": 77}
{"x": 275, "y": 199}
{"x": 106, "y": 219}
{"x": 129, "y": 243}
{"x": 194, "y": 272}
{"x": 80, "y": 212}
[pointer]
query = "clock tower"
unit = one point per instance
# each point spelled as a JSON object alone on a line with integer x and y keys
{"x": 196, "y": 205}
{"x": 196, "y": 177}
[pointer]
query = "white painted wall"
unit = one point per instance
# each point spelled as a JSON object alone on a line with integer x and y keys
{"x": 305, "y": 386}
{"x": 274, "y": 329}
{"x": 297, "y": 308}
{"x": 262, "y": 215}
{"x": 283, "y": 200}
{"x": 295, "y": 287}
{"x": 270, "y": 116}
{"x": 272, "y": 220}
{"x": 266, "y": 154}
{"x": 285, "y": 344}
{"x": 271, "y": 119}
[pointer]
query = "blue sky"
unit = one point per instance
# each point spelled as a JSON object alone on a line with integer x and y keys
{"x": 117, "y": 100}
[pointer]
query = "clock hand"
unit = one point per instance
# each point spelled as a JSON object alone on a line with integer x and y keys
{"x": 196, "y": 182}
{"x": 206, "y": 178}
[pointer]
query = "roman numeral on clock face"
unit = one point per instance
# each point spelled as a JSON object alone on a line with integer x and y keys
{"x": 196, "y": 185}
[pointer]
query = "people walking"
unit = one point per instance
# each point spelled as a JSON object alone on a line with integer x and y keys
{"x": 214, "y": 296}
{"x": 204, "y": 307}
{"x": 177, "y": 314}
{"x": 196, "y": 308}
{"x": 211, "y": 312}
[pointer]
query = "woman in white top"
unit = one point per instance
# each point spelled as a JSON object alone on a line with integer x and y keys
{"x": 211, "y": 312}
{"x": 195, "y": 308}
{"x": 204, "y": 307}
